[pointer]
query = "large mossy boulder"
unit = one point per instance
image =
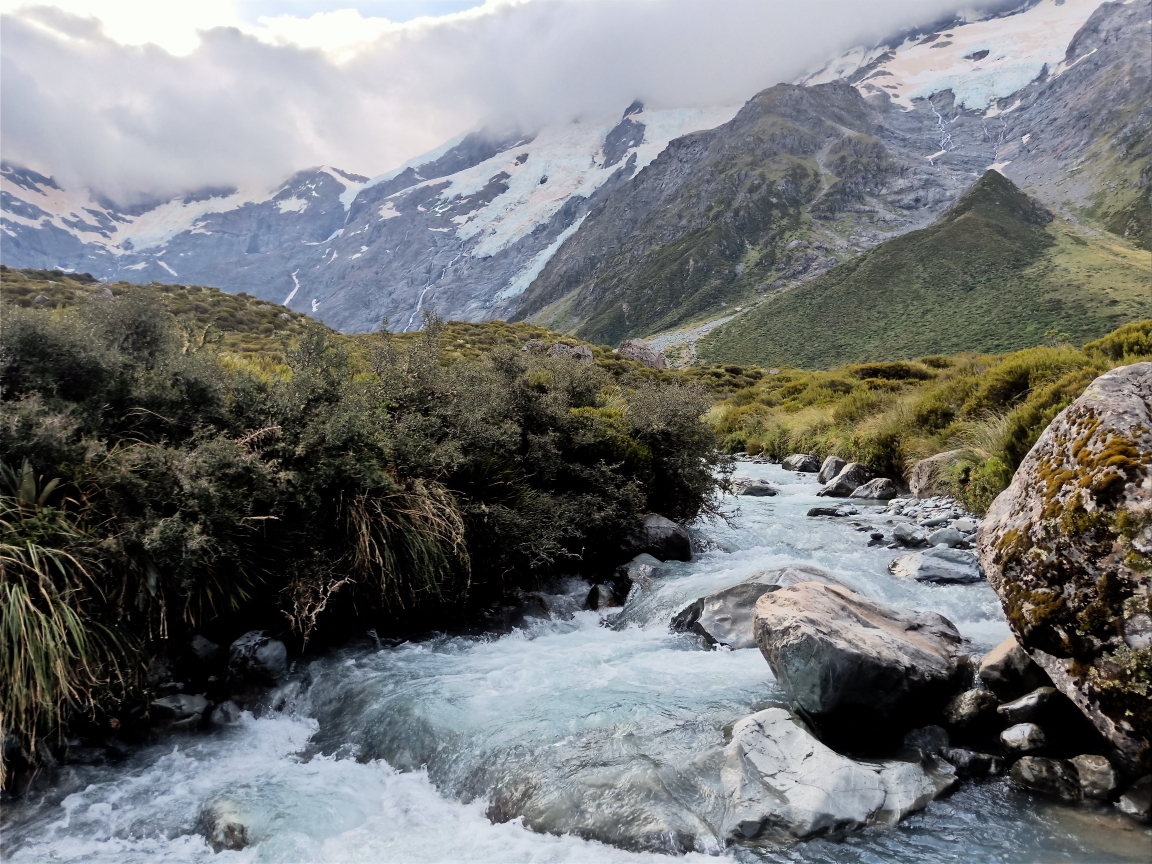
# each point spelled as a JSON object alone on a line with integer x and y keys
{"x": 1068, "y": 547}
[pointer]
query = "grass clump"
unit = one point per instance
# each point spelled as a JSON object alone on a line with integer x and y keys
{"x": 988, "y": 410}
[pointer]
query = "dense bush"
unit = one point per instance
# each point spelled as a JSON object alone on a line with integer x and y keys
{"x": 991, "y": 409}
{"x": 365, "y": 482}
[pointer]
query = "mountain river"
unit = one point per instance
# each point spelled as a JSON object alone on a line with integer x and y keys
{"x": 576, "y": 739}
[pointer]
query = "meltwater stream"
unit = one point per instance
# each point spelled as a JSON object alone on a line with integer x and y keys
{"x": 568, "y": 741}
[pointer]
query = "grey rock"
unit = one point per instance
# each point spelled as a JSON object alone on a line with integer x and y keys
{"x": 805, "y": 462}
{"x": 780, "y": 780}
{"x": 971, "y": 710}
{"x": 207, "y": 652}
{"x": 582, "y": 353}
{"x": 831, "y": 511}
{"x": 535, "y": 346}
{"x": 934, "y": 521}
{"x": 641, "y": 570}
{"x": 966, "y": 525}
{"x": 1029, "y": 708}
{"x": 880, "y": 489}
{"x": 909, "y": 535}
{"x": 605, "y": 595}
{"x": 1009, "y": 672}
{"x": 1097, "y": 778}
{"x": 1033, "y": 555}
{"x": 929, "y": 740}
{"x": 832, "y": 466}
{"x": 939, "y": 565}
{"x": 641, "y": 352}
{"x": 257, "y": 658}
{"x": 660, "y": 537}
{"x": 946, "y": 537}
{"x": 927, "y": 475}
{"x": 181, "y": 710}
{"x": 1046, "y": 777}
{"x": 1137, "y": 801}
{"x": 227, "y": 713}
{"x": 970, "y": 763}
{"x": 753, "y": 488}
{"x": 725, "y": 618}
{"x": 1023, "y": 738}
{"x": 222, "y": 824}
{"x": 854, "y": 664}
{"x": 846, "y": 482}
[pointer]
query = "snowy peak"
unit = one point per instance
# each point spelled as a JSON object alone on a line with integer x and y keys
{"x": 981, "y": 62}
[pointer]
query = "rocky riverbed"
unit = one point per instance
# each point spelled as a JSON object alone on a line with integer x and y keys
{"x": 583, "y": 735}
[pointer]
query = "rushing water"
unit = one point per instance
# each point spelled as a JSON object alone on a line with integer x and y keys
{"x": 577, "y": 739}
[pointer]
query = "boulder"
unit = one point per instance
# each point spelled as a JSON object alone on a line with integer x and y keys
{"x": 780, "y": 781}
{"x": 753, "y": 488}
{"x": 832, "y": 466}
{"x": 1023, "y": 738}
{"x": 535, "y": 346}
{"x": 972, "y": 711}
{"x": 1029, "y": 708}
{"x": 970, "y": 763}
{"x": 257, "y": 658}
{"x": 939, "y": 565}
{"x": 581, "y": 353}
{"x": 1009, "y": 672}
{"x": 832, "y": 511}
{"x": 639, "y": 571}
{"x": 966, "y": 525}
{"x": 909, "y": 535}
{"x": 614, "y": 592}
{"x": 929, "y": 740}
{"x": 861, "y": 669}
{"x": 805, "y": 462}
{"x": 641, "y": 352}
{"x": 1137, "y": 801}
{"x": 946, "y": 537}
{"x": 926, "y": 478}
{"x": 1046, "y": 776}
{"x": 725, "y": 618}
{"x": 222, "y": 824}
{"x": 1097, "y": 778}
{"x": 661, "y": 538}
{"x": 880, "y": 489}
{"x": 1067, "y": 547}
{"x": 182, "y": 711}
{"x": 227, "y": 713}
{"x": 846, "y": 482}
{"x": 208, "y": 653}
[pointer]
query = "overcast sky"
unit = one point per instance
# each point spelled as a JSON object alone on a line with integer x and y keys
{"x": 138, "y": 99}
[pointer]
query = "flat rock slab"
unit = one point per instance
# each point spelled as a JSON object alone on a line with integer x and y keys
{"x": 781, "y": 781}
{"x": 858, "y": 667}
{"x": 939, "y": 565}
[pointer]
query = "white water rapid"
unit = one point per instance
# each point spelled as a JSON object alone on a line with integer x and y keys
{"x": 568, "y": 741}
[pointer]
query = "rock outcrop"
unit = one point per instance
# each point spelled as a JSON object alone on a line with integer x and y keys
{"x": 862, "y": 670}
{"x": 781, "y": 781}
{"x": 1068, "y": 548}
{"x": 641, "y": 352}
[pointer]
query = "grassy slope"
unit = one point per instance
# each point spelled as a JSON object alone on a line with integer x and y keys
{"x": 991, "y": 275}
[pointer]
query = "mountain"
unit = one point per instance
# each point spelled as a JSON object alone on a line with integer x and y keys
{"x": 463, "y": 229}
{"x": 812, "y": 174}
{"x": 658, "y": 221}
{"x": 995, "y": 273}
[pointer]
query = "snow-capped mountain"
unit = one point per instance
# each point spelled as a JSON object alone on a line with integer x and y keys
{"x": 624, "y": 226}
{"x": 464, "y": 229}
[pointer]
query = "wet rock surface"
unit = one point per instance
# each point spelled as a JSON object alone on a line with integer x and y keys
{"x": 831, "y": 466}
{"x": 851, "y": 476}
{"x": 1046, "y": 777}
{"x": 781, "y": 780}
{"x": 803, "y": 462}
{"x": 939, "y": 565}
{"x": 661, "y": 538}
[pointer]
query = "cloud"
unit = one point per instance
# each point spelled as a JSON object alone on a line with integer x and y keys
{"x": 247, "y": 105}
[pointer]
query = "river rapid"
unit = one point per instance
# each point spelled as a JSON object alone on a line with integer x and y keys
{"x": 576, "y": 739}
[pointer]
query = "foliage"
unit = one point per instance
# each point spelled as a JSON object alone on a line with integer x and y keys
{"x": 989, "y": 409}
{"x": 342, "y": 483}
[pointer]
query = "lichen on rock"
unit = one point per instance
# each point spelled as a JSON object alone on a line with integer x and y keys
{"x": 1068, "y": 547}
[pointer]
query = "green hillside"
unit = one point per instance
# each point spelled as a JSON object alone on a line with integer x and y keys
{"x": 993, "y": 274}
